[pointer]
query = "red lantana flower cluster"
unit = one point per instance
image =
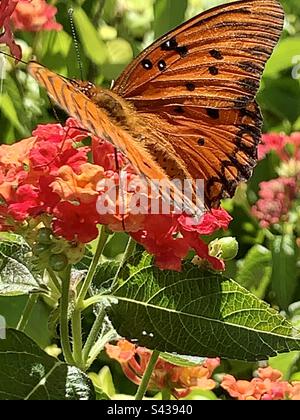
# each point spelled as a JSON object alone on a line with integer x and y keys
{"x": 25, "y": 15}
{"x": 180, "y": 381}
{"x": 276, "y": 197}
{"x": 49, "y": 177}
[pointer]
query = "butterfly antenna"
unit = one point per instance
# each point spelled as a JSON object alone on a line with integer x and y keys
{"x": 19, "y": 60}
{"x": 2, "y": 72}
{"x": 76, "y": 43}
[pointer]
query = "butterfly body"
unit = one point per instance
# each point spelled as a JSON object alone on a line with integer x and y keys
{"x": 185, "y": 108}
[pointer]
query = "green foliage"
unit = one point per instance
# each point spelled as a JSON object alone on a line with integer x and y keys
{"x": 196, "y": 313}
{"x": 43, "y": 377}
{"x": 255, "y": 270}
{"x": 284, "y": 272}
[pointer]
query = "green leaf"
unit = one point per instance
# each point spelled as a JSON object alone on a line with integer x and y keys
{"x": 281, "y": 97}
{"x": 7, "y": 107}
{"x": 197, "y": 313}
{"x": 17, "y": 276}
{"x": 283, "y": 56}
{"x": 285, "y": 363}
{"x": 255, "y": 270}
{"x": 92, "y": 44}
{"x": 200, "y": 394}
{"x": 56, "y": 50}
{"x": 106, "y": 272}
{"x": 167, "y": 15}
{"x": 103, "y": 383}
{"x": 28, "y": 373}
{"x": 183, "y": 361}
{"x": 284, "y": 272}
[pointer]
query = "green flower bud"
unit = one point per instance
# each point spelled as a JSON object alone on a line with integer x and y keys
{"x": 44, "y": 236}
{"x": 224, "y": 248}
{"x": 38, "y": 249}
{"x": 58, "y": 262}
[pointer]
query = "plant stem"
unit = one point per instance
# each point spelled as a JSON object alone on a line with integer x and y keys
{"x": 93, "y": 335}
{"x": 93, "y": 267}
{"x": 64, "y": 319}
{"x": 99, "y": 346}
{"x": 23, "y": 321}
{"x": 54, "y": 280}
{"x": 147, "y": 376}
{"x": 92, "y": 301}
{"x": 92, "y": 349}
{"x": 77, "y": 338}
{"x": 166, "y": 394}
{"x": 130, "y": 248}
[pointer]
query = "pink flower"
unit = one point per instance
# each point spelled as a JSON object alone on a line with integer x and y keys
{"x": 210, "y": 222}
{"x": 179, "y": 380}
{"x": 7, "y": 8}
{"x": 275, "y": 142}
{"x": 171, "y": 237}
{"x": 276, "y": 197}
{"x": 294, "y": 139}
{"x": 278, "y": 143}
{"x": 50, "y": 175}
{"x": 294, "y": 393}
{"x": 76, "y": 222}
{"x": 242, "y": 390}
{"x": 267, "y": 386}
{"x": 35, "y": 16}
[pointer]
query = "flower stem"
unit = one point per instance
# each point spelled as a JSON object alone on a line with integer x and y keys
{"x": 92, "y": 301}
{"x": 23, "y": 321}
{"x": 99, "y": 346}
{"x": 93, "y": 335}
{"x": 147, "y": 376}
{"x": 77, "y": 338}
{"x": 64, "y": 318}
{"x": 93, "y": 267}
{"x": 130, "y": 248}
{"x": 79, "y": 354}
{"x": 166, "y": 394}
{"x": 54, "y": 280}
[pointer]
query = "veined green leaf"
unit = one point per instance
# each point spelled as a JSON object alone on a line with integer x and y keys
{"x": 28, "y": 373}
{"x": 198, "y": 313}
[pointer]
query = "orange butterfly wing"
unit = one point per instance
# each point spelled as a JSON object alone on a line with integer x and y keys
{"x": 214, "y": 60}
{"x": 197, "y": 84}
{"x": 74, "y": 102}
{"x": 193, "y": 92}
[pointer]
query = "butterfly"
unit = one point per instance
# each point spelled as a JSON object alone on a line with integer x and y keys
{"x": 185, "y": 107}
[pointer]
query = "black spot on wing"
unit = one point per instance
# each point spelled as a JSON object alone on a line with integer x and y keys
{"x": 147, "y": 64}
{"x": 190, "y": 86}
{"x": 162, "y": 65}
{"x": 179, "y": 110}
{"x": 169, "y": 45}
{"x": 216, "y": 54}
{"x": 213, "y": 113}
{"x": 182, "y": 51}
{"x": 214, "y": 71}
